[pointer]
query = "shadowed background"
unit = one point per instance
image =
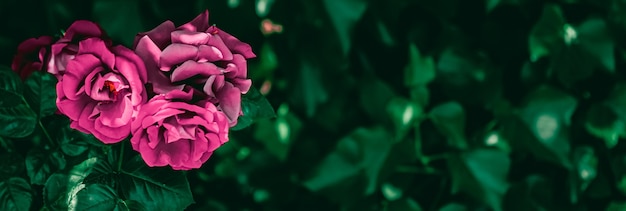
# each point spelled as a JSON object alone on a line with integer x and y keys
{"x": 401, "y": 104}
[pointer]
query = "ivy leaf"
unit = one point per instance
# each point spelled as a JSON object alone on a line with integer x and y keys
{"x": 278, "y": 134}
{"x": 40, "y": 164}
{"x": 481, "y": 173}
{"x": 548, "y": 33}
{"x": 157, "y": 188}
{"x": 449, "y": 118}
{"x": 17, "y": 120}
{"x": 541, "y": 127}
{"x": 254, "y": 107}
{"x": 363, "y": 151}
{"x": 15, "y": 195}
{"x": 420, "y": 70}
{"x": 41, "y": 93}
{"x": 594, "y": 37}
{"x": 344, "y": 15}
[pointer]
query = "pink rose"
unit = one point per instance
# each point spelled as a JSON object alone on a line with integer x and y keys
{"x": 199, "y": 56}
{"x": 66, "y": 48}
{"x": 31, "y": 55}
{"x": 101, "y": 89}
{"x": 171, "y": 131}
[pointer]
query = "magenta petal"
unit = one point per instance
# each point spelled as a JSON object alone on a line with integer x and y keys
{"x": 159, "y": 116}
{"x": 97, "y": 47}
{"x": 117, "y": 113}
{"x": 133, "y": 69}
{"x": 235, "y": 45}
{"x": 159, "y": 35}
{"x": 176, "y": 54}
{"x": 218, "y": 43}
{"x": 73, "y": 108}
{"x": 209, "y": 53}
{"x": 242, "y": 84}
{"x": 230, "y": 102}
{"x": 150, "y": 53}
{"x": 179, "y": 95}
{"x": 154, "y": 136}
{"x": 199, "y": 24}
{"x": 179, "y": 154}
{"x": 77, "y": 70}
{"x": 190, "y": 37}
{"x": 191, "y": 68}
{"x": 111, "y": 135}
{"x": 84, "y": 28}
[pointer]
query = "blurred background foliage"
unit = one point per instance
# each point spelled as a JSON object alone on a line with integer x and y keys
{"x": 399, "y": 104}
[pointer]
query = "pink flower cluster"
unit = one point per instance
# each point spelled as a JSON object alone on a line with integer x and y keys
{"x": 176, "y": 93}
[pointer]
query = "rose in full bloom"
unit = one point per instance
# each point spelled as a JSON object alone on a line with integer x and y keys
{"x": 199, "y": 56}
{"x": 66, "y": 48}
{"x": 31, "y": 56}
{"x": 171, "y": 131}
{"x": 102, "y": 89}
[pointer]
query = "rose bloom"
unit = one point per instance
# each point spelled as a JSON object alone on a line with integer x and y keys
{"x": 31, "y": 56}
{"x": 101, "y": 89}
{"x": 171, "y": 131}
{"x": 199, "y": 56}
{"x": 66, "y": 48}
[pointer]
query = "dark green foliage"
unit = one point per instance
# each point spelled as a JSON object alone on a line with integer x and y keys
{"x": 446, "y": 105}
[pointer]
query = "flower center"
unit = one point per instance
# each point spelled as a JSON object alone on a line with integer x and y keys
{"x": 109, "y": 85}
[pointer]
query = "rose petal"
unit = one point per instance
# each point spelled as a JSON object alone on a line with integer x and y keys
{"x": 132, "y": 68}
{"x": 189, "y": 37}
{"x": 198, "y": 24}
{"x": 97, "y": 47}
{"x": 159, "y": 35}
{"x": 77, "y": 70}
{"x": 150, "y": 53}
{"x": 176, "y": 54}
{"x": 230, "y": 102}
{"x": 191, "y": 68}
{"x": 117, "y": 113}
{"x": 234, "y": 44}
{"x": 84, "y": 28}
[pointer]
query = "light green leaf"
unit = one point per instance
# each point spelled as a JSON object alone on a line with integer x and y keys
{"x": 449, "y": 118}
{"x": 548, "y": 33}
{"x": 481, "y": 173}
{"x": 420, "y": 70}
{"x": 541, "y": 126}
{"x": 363, "y": 151}
{"x": 403, "y": 113}
{"x": 60, "y": 189}
{"x": 15, "y": 195}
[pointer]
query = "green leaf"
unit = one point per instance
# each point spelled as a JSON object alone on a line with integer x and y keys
{"x": 97, "y": 197}
{"x": 453, "y": 207}
{"x": 17, "y": 120}
{"x": 363, "y": 151}
{"x": 481, "y": 173}
{"x": 15, "y": 195}
{"x": 593, "y": 35}
{"x": 278, "y": 134}
{"x": 406, "y": 204}
{"x": 344, "y": 15}
{"x": 40, "y": 164}
{"x": 130, "y": 205}
{"x": 156, "y": 188}
{"x": 41, "y": 93}
{"x": 548, "y": 33}
{"x": 420, "y": 70}
{"x": 10, "y": 82}
{"x": 126, "y": 22}
{"x": 403, "y": 113}
{"x": 11, "y": 164}
{"x": 585, "y": 172}
{"x": 449, "y": 118}
{"x": 374, "y": 96}
{"x": 541, "y": 126}
{"x": 604, "y": 122}
{"x": 254, "y": 107}
{"x": 60, "y": 189}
